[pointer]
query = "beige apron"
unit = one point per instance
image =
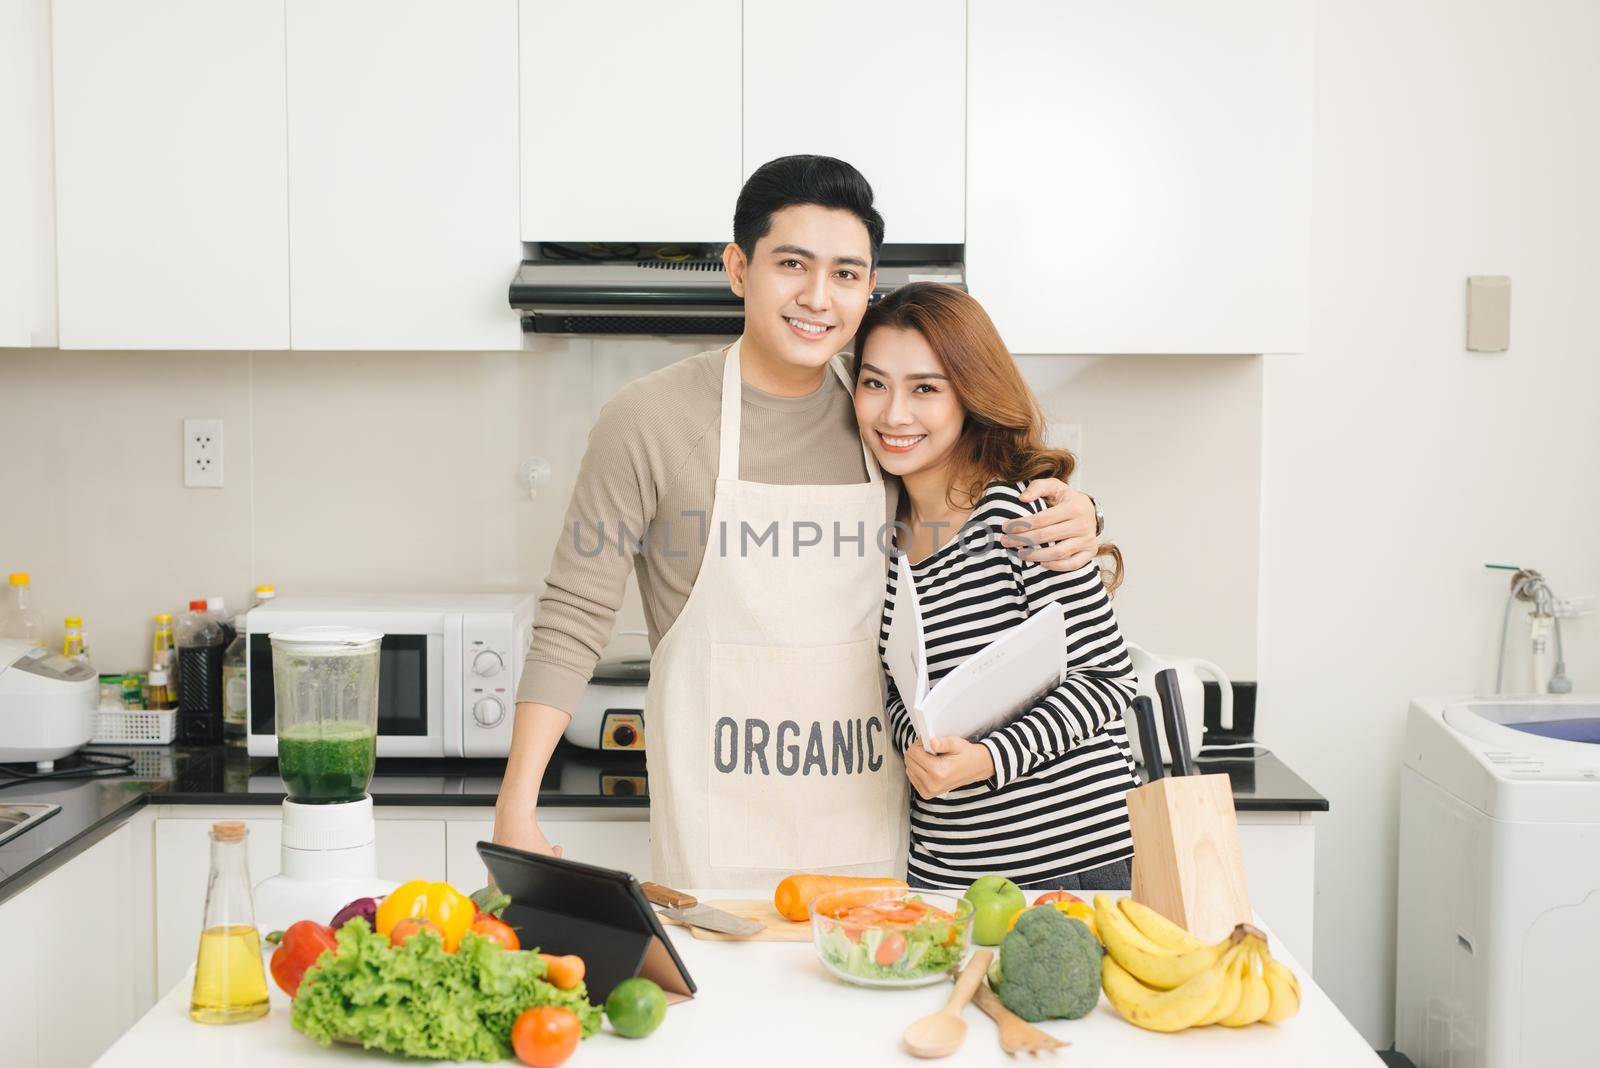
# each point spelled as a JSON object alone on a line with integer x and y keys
{"x": 769, "y": 750}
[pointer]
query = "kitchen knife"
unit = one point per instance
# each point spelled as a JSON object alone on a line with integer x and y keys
{"x": 1144, "y": 717}
{"x": 1177, "y": 728}
{"x": 684, "y": 908}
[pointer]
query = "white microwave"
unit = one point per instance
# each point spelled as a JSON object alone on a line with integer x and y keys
{"x": 447, "y": 675}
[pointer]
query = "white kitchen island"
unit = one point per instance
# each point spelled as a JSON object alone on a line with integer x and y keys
{"x": 772, "y": 1002}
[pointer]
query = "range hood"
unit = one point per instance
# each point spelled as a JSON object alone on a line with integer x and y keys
{"x": 654, "y": 296}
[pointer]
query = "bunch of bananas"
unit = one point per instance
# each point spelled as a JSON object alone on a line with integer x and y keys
{"x": 1160, "y": 977}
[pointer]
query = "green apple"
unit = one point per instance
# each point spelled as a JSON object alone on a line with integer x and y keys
{"x": 995, "y": 899}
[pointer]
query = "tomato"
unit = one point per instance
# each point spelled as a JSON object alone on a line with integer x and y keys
{"x": 900, "y": 915}
{"x": 564, "y": 973}
{"x": 407, "y": 929}
{"x": 890, "y": 949}
{"x": 893, "y": 913}
{"x": 546, "y": 1036}
{"x": 496, "y": 931}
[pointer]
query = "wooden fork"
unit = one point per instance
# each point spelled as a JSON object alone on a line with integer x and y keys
{"x": 1016, "y": 1034}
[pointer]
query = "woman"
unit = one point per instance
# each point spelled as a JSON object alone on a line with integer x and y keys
{"x": 942, "y": 405}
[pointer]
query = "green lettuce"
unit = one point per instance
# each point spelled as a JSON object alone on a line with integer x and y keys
{"x": 420, "y": 1001}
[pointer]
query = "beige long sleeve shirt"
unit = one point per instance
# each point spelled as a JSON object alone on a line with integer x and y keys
{"x": 643, "y": 501}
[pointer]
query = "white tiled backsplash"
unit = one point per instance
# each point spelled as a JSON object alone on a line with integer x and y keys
{"x": 383, "y": 470}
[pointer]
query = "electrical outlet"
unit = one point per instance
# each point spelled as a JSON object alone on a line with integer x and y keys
{"x": 202, "y": 453}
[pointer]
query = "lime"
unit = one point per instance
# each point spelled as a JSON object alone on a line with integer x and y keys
{"x": 636, "y": 1007}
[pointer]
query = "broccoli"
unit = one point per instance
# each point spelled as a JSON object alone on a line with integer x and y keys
{"x": 1049, "y": 967}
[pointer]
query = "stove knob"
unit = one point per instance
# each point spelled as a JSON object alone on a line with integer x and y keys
{"x": 487, "y": 664}
{"x": 488, "y": 711}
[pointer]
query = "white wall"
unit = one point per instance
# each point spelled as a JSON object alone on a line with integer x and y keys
{"x": 27, "y": 177}
{"x": 365, "y": 471}
{"x": 1451, "y": 139}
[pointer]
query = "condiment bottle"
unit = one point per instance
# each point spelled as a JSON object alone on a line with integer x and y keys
{"x": 199, "y": 677}
{"x": 230, "y": 984}
{"x": 19, "y": 620}
{"x": 72, "y": 641}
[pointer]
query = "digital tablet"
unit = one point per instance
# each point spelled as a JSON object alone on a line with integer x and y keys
{"x": 563, "y": 906}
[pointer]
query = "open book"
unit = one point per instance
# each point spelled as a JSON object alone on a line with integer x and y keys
{"x": 991, "y": 688}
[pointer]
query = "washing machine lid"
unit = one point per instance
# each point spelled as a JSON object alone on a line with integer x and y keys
{"x": 1534, "y": 738}
{"x": 1560, "y": 722}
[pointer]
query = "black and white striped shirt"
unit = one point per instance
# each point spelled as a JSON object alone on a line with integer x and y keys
{"x": 1056, "y": 804}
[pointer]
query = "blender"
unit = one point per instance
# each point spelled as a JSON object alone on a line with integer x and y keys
{"x": 325, "y": 690}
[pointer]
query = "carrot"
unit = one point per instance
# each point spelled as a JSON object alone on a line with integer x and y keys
{"x": 564, "y": 973}
{"x": 795, "y": 894}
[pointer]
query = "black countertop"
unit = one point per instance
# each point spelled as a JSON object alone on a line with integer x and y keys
{"x": 1261, "y": 781}
{"x": 201, "y": 775}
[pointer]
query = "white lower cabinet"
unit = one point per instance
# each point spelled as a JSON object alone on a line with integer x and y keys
{"x": 1280, "y": 855}
{"x": 73, "y": 941}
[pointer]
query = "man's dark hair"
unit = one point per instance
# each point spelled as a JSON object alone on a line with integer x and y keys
{"x": 790, "y": 180}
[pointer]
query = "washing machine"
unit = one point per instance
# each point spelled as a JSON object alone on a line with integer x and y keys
{"x": 1498, "y": 921}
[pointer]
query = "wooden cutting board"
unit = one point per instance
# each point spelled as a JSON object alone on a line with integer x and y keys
{"x": 777, "y": 928}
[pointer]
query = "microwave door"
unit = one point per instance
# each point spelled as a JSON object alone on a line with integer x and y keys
{"x": 411, "y": 676}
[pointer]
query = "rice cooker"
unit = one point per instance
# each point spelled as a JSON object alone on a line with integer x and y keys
{"x": 610, "y": 715}
{"x": 47, "y": 704}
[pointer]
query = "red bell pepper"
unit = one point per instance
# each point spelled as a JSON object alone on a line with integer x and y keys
{"x": 303, "y": 943}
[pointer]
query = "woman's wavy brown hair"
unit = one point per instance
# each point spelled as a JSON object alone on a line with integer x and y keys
{"x": 1002, "y": 439}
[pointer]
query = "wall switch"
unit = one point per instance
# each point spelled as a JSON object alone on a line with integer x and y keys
{"x": 1488, "y": 313}
{"x": 202, "y": 453}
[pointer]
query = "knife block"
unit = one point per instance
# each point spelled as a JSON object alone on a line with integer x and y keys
{"x": 1187, "y": 863}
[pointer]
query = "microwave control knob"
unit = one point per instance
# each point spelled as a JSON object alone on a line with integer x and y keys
{"x": 487, "y": 664}
{"x": 624, "y": 735}
{"x": 488, "y": 711}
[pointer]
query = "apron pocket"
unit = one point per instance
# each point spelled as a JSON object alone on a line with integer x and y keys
{"x": 802, "y": 772}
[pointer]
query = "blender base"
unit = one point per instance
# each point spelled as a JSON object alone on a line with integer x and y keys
{"x": 329, "y": 858}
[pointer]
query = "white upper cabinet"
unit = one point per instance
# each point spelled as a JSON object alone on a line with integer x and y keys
{"x": 171, "y": 192}
{"x": 402, "y": 173}
{"x": 630, "y": 120}
{"x": 880, "y": 85}
{"x": 1138, "y": 174}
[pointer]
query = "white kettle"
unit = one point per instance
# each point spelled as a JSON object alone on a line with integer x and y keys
{"x": 1190, "y": 686}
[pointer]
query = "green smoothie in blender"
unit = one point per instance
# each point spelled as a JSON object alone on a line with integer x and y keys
{"x": 325, "y": 681}
{"x": 326, "y": 762}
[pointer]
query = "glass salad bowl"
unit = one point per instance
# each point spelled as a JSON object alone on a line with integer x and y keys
{"x": 890, "y": 936}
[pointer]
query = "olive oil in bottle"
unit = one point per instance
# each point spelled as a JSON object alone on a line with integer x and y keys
{"x": 230, "y": 984}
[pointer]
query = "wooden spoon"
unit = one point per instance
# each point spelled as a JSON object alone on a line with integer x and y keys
{"x": 941, "y": 1034}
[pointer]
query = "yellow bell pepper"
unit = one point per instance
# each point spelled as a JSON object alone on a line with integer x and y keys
{"x": 442, "y": 903}
{"x": 1078, "y": 910}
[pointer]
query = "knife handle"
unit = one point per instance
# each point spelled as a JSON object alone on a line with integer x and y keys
{"x": 667, "y": 897}
{"x": 1177, "y": 728}
{"x": 1144, "y": 717}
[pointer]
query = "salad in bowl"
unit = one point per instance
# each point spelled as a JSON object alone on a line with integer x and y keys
{"x": 889, "y": 936}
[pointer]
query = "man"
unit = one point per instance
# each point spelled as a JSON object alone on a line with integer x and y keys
{"x": 736, "y": 485}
